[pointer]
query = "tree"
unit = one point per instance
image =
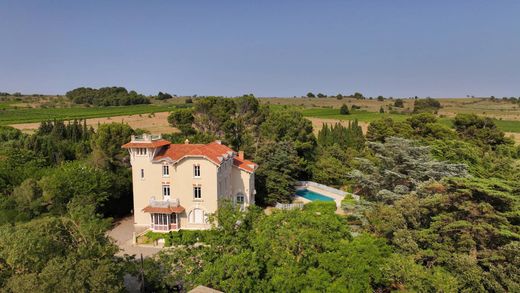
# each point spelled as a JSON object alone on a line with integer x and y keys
{"x": 108, "y": 140}
{"x": 294, "y": 251}
{"x": 28, "y": 198}
{"x": 310, "y": 95}
{"x": 331, "y": 171}
{"x": 106, "y": 96}
{"x": 277, "y": 173}
{"x": 9, "y": 133}
{"x": 211, "y": 113}
{"x": 426, "y": 105}
{"x": 183, "y": 120}
{"x": 320, "y": 95}
{"x": 339, "y": 96}
{"x": 481, "y": 130}
{"x": 344, "y": 110}
{"x": 163, "y": 96}
{"x": 57, "y": 254}
{"x": 381, "y": 110}
{"x": 350, "y": 136}
{"x": 358, "y": 96}
{"x": 290, "y": 126}
{"x": 399, "y": 103}
{"x": 401, "y": 167}
{"x": 381, "y": 129}
{"x": 461, "y": 224}
{"x": 380, "y": 98}
{"x": 75, "y": 180}
{"x": 426, "y": 125}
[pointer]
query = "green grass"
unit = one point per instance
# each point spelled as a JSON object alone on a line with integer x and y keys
{"x": 14, "y": 116}
{"x": 6, "y": 105}
{"x": 508, "y": 126}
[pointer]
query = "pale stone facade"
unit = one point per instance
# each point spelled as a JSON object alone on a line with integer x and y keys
{"x": 176, "y": 186}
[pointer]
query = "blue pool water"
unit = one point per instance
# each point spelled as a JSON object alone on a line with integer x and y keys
{"x": 311, "y": 195}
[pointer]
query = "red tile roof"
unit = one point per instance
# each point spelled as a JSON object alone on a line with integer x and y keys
{"x": 244, "y": 164}
{"x": 167, "y": 210}
{"x": 152, "y": 144}
{"x": 214, "y": 152}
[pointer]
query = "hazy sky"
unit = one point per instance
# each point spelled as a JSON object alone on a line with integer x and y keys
{"x": 394, "y": 47}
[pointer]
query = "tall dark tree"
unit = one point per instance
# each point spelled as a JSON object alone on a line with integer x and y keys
{"x": 344, "y": 110}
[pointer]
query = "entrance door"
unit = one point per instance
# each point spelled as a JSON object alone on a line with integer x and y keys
{"x": 198, "y": 216}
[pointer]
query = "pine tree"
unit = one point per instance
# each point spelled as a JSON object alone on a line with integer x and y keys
{"x": 344, "y": 110}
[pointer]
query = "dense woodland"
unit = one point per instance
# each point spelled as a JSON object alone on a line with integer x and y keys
{"x": 106, "y": 96}
{"x": 440, "y": 207}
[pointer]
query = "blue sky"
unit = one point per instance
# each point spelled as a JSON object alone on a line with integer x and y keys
{"x": 270, "y": 48}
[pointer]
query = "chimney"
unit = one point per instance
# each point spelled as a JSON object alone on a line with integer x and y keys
{"x": 187, "y": 141}
{"x": 241, "y": 155}
{"x": 218, "y": 141}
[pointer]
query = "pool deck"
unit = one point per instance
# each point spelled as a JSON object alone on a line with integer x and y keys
{"x": 337, "y": 198}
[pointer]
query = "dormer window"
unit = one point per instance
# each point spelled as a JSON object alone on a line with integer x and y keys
{"x": 196, "y": 171}
{"x": 165, "y": 171}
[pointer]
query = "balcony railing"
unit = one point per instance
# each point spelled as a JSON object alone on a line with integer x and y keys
{"x": 166, "y": 203}
{"x": 146, "y": 137}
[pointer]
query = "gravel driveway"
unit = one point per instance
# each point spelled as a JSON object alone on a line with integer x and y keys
{"x": 122, "y": 234}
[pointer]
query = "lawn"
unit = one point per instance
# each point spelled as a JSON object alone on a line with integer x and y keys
{"x": 14, "y": 116}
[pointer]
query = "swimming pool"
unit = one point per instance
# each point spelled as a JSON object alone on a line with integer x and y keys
{"x": 311, "y": 195}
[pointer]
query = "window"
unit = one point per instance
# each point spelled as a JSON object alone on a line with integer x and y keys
{"x": 240, "y": 199}
{"x": 197, "y": 192}
{"x": 166, "y": 190}
{"x": 196, "y": 171}
{"x": 163, "y": 222}
{"x": 142, "y": 173}
{"x": 165, "y": 171}
{"x": 160, "y": 219}
{"x": 141, "y": 151}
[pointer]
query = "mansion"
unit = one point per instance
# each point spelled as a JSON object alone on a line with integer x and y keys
{"x": 176, "y": 186}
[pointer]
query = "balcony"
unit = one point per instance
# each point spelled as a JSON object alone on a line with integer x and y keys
{"x": 145, "y": 138}
{"x": 166, "y": 203}
{"x": 167, "y": 206}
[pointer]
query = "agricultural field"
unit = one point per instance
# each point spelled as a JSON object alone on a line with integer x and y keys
{"x": 10, "y": 114}
{"x": 507, "y": 114}
{"x": 25, "y": 113}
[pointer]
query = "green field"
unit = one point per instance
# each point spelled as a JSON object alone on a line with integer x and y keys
{"x": 329, "y": 113}
{"x": 14, "y": 116}
{"x": 10, "y": 115}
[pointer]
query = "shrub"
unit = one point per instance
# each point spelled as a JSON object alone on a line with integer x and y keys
{"x": 426, "y": 105}
{"x": 321, "y": 207}
{"x": 344, "y": 110}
